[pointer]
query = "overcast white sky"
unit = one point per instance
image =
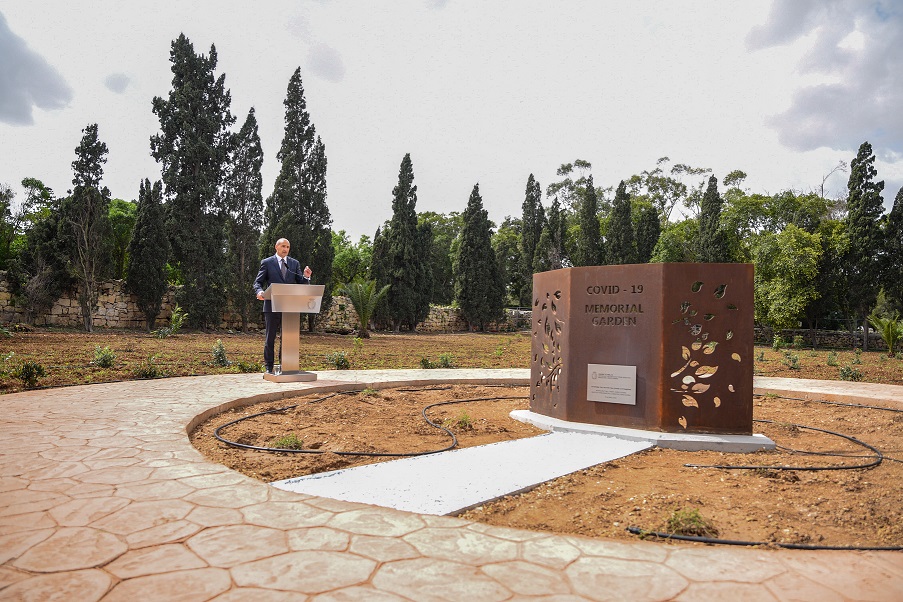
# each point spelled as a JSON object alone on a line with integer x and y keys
{"x": 482, "y": 92}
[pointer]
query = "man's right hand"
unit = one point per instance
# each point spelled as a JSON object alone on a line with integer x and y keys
{"x": 260, "y": 296}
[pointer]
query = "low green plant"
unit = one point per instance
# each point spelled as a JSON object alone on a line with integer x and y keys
{"x": 104, "y": 357}
{"x": 761, "y": 357}
{"x": 248, "y": 367}
{"x": 891, "y": 330}
{"x": 499, "y": 351}
{"x": 338, "y": 360}
{"x": 426, "y": 364}
{"x": 850, "y": 373}
{"x": 832, "y": 359}
{"x": 791, "y": 360}
{"x": 358, "y": 344}
{"x": 290, "y": 441}
{"x": 778, "y": 343}
{"x": 365, "y": 298}
{"x": 29, "y": 372}
{"x": 857, "y": 359}
{"x": 4, "y": 332}
{"x": 5, "y": 363}
{"x": 148, "y": 369}
{"x": 463, "y": 422}
{"x": 446, "y": 360}
{"x": 219, "y": 355}
{"x": 797, "y": 342}
{"x": 899, "y": 355}
{"x": 368, "y": 392}
{"x": 691, "y": 522}
{"x": 176, "y": 319}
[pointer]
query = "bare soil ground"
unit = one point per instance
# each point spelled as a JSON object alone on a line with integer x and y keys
{"x": 858, "y": 507}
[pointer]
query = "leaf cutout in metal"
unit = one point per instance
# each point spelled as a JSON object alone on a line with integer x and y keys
{"x": 729, "y": 335}
{"x": 710, "y": 347}
{"x": 684, "y": 307}
{"x": 685, "y": 353}
{"x": 701, "y": 387}
{"x": 696, "y": 346}
{"x": 731, "y": 306}
{"x": 735, "y": 356}
{"x": 557, "y": 294}
{"x": 689, "y": 401}
{"x": 706, "y": 371}
{"x": 694, "y": 363}
{"x": 717, "y": 401}
{"x": 689, "y": 380}
{"x": 682, "y": 422}
{"x": 697, "y": 286}
{"x": 719, "y": 291}
{"x": 730, "y": 388}
{"x": 709, "y": 316}
{"x": 696, "y": 329}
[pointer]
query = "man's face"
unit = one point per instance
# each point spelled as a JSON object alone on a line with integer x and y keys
{"x": 282, "y": 248}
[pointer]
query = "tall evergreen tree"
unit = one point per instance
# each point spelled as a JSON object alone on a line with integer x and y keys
{"x": 893, "y": 252}
{"x": 379, "y": 271}
{"x": 192, "y": 147}
{"x": 712, "y": 244}
{"x": 532, "y": 220}
{"x": 648, "y": 230}
{"x": 402, "y": 267}
{"x": 86, "y": 219}
{"x": 620, "y": 244}
{"x": 244, "y": 215}
{"x": 478, "y": 288}
{"x": 550, "y": 252}
{"x": 148, "y": 250}
{"x": 862, "y": 261}
{"x": 297, "y": 208}
{"x": 588, "y": 250}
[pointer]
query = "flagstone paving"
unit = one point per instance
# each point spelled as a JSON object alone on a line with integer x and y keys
{"x": 102, "y": 496}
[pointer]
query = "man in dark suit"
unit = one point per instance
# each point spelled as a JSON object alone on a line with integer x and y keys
{"x": 278, "y": 269}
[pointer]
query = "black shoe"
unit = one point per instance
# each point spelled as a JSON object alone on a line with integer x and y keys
{"x": 270, "y": 370}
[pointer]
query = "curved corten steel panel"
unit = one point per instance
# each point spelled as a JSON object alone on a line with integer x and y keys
{"x": 687, "y": 328}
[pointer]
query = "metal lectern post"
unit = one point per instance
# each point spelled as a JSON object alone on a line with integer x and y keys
{"x": 292, "y": 300}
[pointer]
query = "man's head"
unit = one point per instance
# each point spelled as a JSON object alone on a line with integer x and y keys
{"x": 282, "y": 247}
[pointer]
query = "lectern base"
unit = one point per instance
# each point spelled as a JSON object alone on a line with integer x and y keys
{"x": 291, "y": 377}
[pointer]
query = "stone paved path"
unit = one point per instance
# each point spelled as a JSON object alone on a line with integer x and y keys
{"x": 103, "y": 497}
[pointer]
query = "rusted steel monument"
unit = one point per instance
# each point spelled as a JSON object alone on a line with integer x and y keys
{"x": 664, "y": 347}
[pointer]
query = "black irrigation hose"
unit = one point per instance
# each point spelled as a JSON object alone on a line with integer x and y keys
{"x": 734, "y": 542}
{"x": 355, "y": 453}
{"x": 878, "y": 455}
{"x": 834, "y": 403}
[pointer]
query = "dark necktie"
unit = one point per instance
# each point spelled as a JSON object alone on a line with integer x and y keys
{"x": 282, "y": 267}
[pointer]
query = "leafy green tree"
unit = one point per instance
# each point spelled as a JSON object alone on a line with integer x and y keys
{"x": 86, "y": 219}
{"x": 365, "y": 298}
{"x": 244, "y": 214}
{"x": 478, "y": 287}
{"x": 620, "y": 245}
{"x": 712, "y": 243}
{"x": 532, "y": 221}
{"x": 648, "y": 230}
{"x": 446, "y": 227}
{"x": 893, "y": 252}
{"x": 193, "y": 147}
{"x": 297, "y": 209}
{"x": 506, "y": 244}
{"x": 148, "y": 250}
{"x": 122, "y": 220}
{"x": 785, "y": 276}
{"x": 589, "y": 244}
{"x": 677, "y": 242}
{"x": 402, "y": 265}
{"x": 665, "y": 190}
{"x": 862, "y": 261}
{"x": 557, "y": 228}
{"x": 351, "y": 261}
{"x": 829, "y": 280}
{"x": 7, "y": 226}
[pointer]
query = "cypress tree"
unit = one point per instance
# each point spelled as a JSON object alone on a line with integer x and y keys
{"x": 148, "y": 250}
{"x": 893, "y": 252}
{"x": 244, "y": 208}
{"x": 648, "y": 230}
{"x": 379, "y": 271}
{"x": 532, "y": 219}
{"x": 588, "y": 242}
{"x": 404, "y": 257}
{"x": 862, "y": 263}
{"x": 86, "y": 218}
{"x": 620, "y": 245}
{"x": 712, "y": 244}
{"x": 192, "y": 147}
{"x": 297, "y": 208}
{"x": 478, "y": 287}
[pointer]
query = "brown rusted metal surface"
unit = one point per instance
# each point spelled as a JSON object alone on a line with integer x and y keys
{"x": 686, "y": 327}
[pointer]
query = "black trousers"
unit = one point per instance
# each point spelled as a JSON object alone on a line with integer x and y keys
{"x": 273, "y": 321}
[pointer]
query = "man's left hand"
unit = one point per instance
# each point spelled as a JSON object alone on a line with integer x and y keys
{"x": 307, "y": 272}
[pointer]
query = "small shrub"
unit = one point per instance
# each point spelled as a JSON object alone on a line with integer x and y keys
{"x": 850, "y": 373}
{"x": 338, "y": 360}
{"x": 446, "y": 360}
{"x": 5, "y": 332}
{"x": 778, "y": 343}
{"x": 358, "y": 344}
{"x": 857, "y": 360}
{"x": 103, "y": 358}
{"x": 219, "y": 355}
{"x": 499, "y": 351}
{"x": 761, "y": 357}
{"x": 29, "y": 372}
{"x": 832, "y": 359}
{"x": 149, "y": 369}
{"x": 791, "y": 360}
{"x": 368, "y": 392}
{"x": 4, "y": 363}
{"x": 797, "y": 342}
{"x": 690, "y": 522}
{"x": 248, "y": 367}
{"x": 290, "y": 441}
{"x": 899, "y": 355}
{"x": 175, "y": 323}
{"x": 463, "y": 422}
{"x": 426, "y": 364}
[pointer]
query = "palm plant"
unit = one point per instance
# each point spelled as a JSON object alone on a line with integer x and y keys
{"x": 364, "y": 297}
{"x": 890, "y": 329}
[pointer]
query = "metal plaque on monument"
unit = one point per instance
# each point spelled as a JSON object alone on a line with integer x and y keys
{"x": 292, "y": 300}
{"x": 663, "y": 347}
